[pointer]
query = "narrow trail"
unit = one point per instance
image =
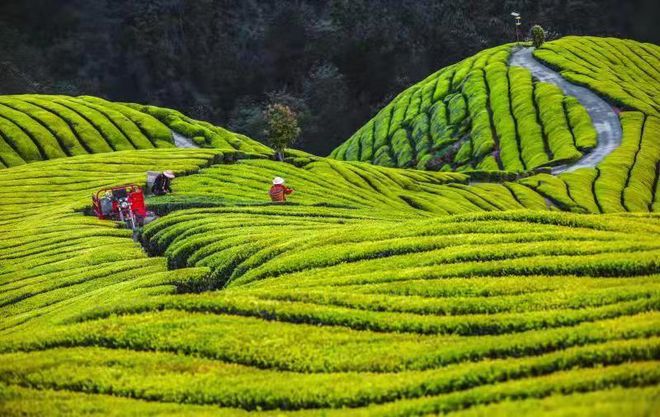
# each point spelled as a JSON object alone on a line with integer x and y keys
{"x": 182, "y": 142}
{"x": 604, "y": 118}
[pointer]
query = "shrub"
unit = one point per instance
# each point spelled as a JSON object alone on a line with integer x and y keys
{"x": 549, "y": 100}
{"x": 47, "y": 144}
{"x": 618, "y": 69}
{"x": 20, "y": 141}
{"x": 586, "y": 137}
{"x": 457, "y": 108}
{"x": 92, "y": 128}
{"x": 59, "y": 129}
{"x": 401, "y": 148}
{"x": 532, "y": 144}
{"x": 616, "y": 167}
{"x": 410, "y": 282}
{"x": 96, "y": 113}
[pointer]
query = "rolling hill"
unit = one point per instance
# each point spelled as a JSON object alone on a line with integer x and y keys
{"x": 490, "y": 112}
{"x": 40, "y": 127}
{"x": 488, "y": 287}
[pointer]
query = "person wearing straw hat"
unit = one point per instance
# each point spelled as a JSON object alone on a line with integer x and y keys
{"x": 162, "y": 183}
{"x": 279, "y": 191}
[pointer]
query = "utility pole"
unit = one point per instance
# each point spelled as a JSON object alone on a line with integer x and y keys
{"x": 516, "y": 15}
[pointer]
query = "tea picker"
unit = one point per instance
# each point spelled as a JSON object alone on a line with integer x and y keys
{"x": 279, "y": 191}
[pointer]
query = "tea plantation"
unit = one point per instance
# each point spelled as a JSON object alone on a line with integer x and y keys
{"x": 37, "y": 127}
{"x": 478, "y": 288}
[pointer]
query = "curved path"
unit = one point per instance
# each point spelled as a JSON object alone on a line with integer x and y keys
{"x": 605, "y": 119}
{"x": 183, "y": 142}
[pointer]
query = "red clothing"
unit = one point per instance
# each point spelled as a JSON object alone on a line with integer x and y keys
{"x": 279, "y": 192}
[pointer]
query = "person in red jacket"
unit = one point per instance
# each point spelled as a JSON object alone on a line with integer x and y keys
{"x": 279, "y": 191}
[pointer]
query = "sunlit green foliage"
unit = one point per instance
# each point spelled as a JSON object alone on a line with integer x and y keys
{"x": 479, "y": 113}
{"x": 368, "y": 285}
{"x": 38, "y": 127}
{"x": 372, "y": 291}
{"x": 622, "y": 70}
{"x": 555, "y": 123}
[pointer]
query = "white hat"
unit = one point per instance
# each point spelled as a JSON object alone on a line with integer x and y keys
{"x": 168, "y": 174}
{"x": 278, "y": 180}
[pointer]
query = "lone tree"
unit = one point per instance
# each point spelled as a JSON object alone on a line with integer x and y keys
{"x": 282, "y": 130}
{"x": 538, "y": 36}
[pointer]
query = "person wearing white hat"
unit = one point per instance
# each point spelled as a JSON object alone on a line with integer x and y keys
{"x": 162, "y": 183}
{"x": 279, "y": 191}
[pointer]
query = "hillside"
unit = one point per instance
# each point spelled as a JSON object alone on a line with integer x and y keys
{"x": 488, "y": 112}
{"x": 326, "y": 296}
{"x": 39, "y": 127}
{"x": 481, "y": 114}
{"x": 375, "y": 290}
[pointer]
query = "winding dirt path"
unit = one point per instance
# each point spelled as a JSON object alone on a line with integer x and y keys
{"x": 604, "y": 118}
{"x": 183, "y": 142}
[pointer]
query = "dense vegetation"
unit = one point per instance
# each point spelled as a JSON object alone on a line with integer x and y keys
{"x": 37, "y": 127}
{"x": 374, "y": 291}
{"x": 507, "y": 121}
{"x": 477, "y": 114}
{"x": 322, "y": 297}
{"x": 627, "y": 73}
{"x": 336, "y": 61}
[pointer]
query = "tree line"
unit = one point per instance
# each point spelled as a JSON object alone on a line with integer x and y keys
{"x": 334, "y": 62}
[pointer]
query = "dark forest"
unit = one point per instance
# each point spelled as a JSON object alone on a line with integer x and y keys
{"x": 335, "y": 62}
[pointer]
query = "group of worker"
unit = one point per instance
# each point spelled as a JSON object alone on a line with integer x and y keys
{"x": 278, "y": 192}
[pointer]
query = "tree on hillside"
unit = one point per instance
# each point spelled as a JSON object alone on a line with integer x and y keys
{"x": 538, "y": 36}
{"x": 282, "y": 129}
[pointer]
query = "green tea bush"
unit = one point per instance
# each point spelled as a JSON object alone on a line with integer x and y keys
{"x": 51, "y": 122}
{"x": 580, "y": 184}
{"x": 457, "y": 108}
{"x": 481, "y": 133}
{"x": 36, "y": 127}
{"x": 92, "y": 135}
{"x": 97, "y": 113}
{"x": 642, "y": 182}
{"x": 616, "y": 168}
{"x": 153, "y": 129}
{"x": 532, "y": 142}
{"x": 17, "y": 139}
{"x": 483, "y": 100}
{"x": 44, "y": 140}
{"x": 372, "y": 291}
{"x": 623, "y": 70}
{"x": 586, "y": 137}
{"x": 555, "y": 125}
{"x": 504, "y": 123}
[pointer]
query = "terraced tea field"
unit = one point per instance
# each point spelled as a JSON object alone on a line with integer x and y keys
{"x": 37, "y": 127}
{"x": 477, "y": 114}
{"x": 374, "y": 291}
